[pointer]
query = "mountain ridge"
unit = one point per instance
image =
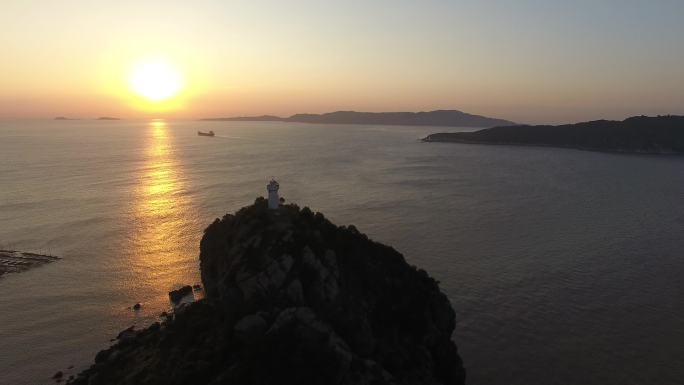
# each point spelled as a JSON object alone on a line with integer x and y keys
{"x": 446, "y": 118}
{"x": 638, "y": 134}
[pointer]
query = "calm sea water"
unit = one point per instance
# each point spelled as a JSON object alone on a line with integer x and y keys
{"x": 564, "y": 267}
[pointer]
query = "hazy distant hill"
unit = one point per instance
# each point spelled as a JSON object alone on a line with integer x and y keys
{"x": 450, "y": 118}
{"x": 262, "y": 118}
{"x": 639, "y": 134}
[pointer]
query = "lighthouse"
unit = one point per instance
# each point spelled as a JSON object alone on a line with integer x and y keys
{"x": 273, "y": 200}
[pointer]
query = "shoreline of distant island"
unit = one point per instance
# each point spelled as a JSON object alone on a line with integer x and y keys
{"x": 445, "y": 118}
{"x": 635, "y": 135}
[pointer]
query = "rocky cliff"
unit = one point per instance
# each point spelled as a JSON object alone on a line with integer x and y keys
{"x": 293, "y": 299}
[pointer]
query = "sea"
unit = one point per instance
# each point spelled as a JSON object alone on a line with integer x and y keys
{"x": 563, "y": 266}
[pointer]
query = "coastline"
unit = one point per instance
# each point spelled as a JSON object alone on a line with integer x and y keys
{"x": 658, "y": 135}
{"x": 592, "y": 149}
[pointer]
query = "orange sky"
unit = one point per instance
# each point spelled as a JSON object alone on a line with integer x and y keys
{"x": 509, "y": 59}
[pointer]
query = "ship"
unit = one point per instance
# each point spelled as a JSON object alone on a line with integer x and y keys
{"x": 210, "y": 133}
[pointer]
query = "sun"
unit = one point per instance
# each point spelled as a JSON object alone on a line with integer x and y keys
{"x": 155, "y": 80}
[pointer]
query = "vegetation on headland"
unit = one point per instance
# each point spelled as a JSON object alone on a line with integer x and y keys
{"x": 639, "y": 134}
{"x": 293, "y": 299}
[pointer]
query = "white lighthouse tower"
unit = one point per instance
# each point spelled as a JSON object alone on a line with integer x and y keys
{"x": 273, "y": 200}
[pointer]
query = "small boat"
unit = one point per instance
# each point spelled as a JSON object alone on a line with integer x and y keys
{"x": 210, "y": 133}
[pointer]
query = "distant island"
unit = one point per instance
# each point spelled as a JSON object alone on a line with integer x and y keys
{"x": 448, "y": 118}
{"x": 100, "y": 118}
{"x": 639, "y": 134}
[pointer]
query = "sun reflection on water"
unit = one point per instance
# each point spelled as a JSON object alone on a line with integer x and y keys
{"x": 165, "y": 238}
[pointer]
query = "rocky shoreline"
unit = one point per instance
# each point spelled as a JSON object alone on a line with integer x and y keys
{"x": 12, "y": 261}
{"x": 291, "y": 298}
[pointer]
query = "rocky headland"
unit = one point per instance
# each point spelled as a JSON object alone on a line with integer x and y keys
{"x": 639, "y": 134}
{"x": 291, "y": 298}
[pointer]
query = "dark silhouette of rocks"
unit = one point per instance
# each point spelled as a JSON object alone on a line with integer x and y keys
{"x": 639, "y": 134}
{"x": 126, "y": 334}
{"x": 177, "y": 295}
{"x": 449, "y": 118}
{"x": 12, "y": 261}
{"x": 293, "y": 299}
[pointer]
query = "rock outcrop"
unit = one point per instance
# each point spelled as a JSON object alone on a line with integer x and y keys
{"x": 293, "y": 299}
{"x": 176, "y": 295}
{"x": 12, "y": 261}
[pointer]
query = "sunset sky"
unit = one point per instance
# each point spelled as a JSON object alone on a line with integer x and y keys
{"x": 523, "y": 60}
